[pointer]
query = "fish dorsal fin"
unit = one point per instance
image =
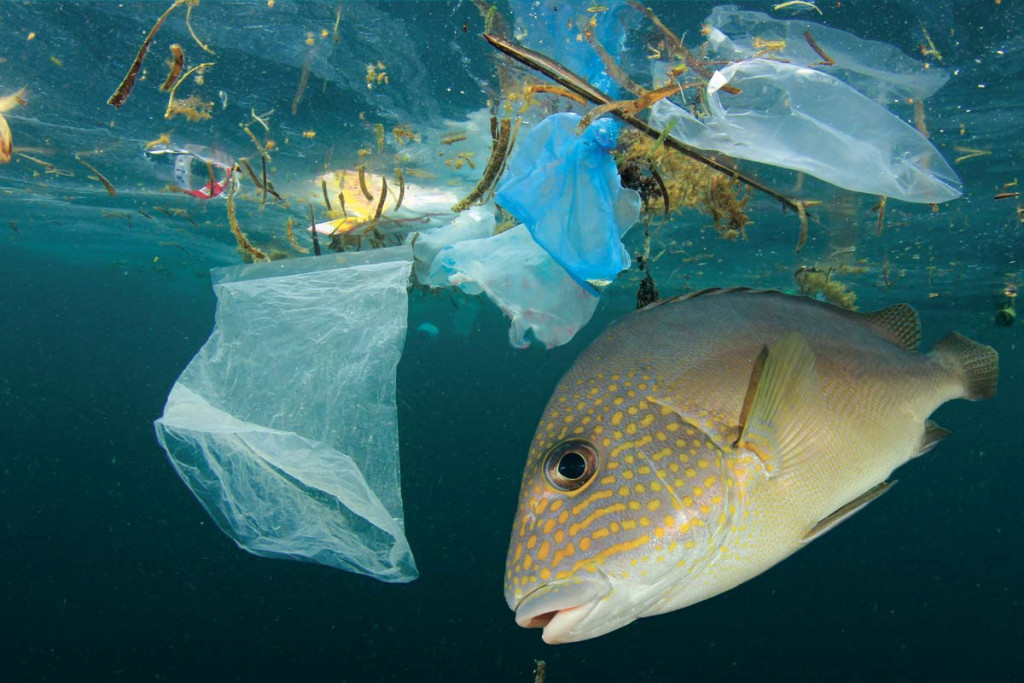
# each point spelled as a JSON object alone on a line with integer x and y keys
{"x": 899, "y": 324}
{"x": 847, "y": 511}
{"x": 775, "y": 423}
{"x": 933, "y": 434}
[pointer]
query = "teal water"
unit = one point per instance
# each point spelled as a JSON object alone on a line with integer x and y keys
{"x": 109, "y": 568}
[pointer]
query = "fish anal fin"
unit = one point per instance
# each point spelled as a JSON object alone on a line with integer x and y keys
{"x": 933, "y": 434}
{"x": 778, "y": 427}
{"x": 842, "y": 514}
{"x": 899, "y": 324}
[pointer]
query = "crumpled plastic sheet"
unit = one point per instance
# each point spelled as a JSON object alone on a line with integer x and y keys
{"x": 542, "y": 300}
{"x": 879, "y": 70}
{"x": 284, "y": 425}
{"x": 806, "y": 120}
{"x": 564, "y": 187}
{"x": 476, "y": 223}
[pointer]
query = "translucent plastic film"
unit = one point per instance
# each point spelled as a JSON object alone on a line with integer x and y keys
{"x": 284, "y": 425}
{"x": 476, "y": 223}
{"x": 879, "y": 70}
{"x": 523, "y": 280}
{"x": 805, "y": 120}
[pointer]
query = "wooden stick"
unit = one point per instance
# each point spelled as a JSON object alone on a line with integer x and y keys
{"x": 571, "y": 81}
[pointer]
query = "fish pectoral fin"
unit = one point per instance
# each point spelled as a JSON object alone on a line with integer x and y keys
{"x": 933, "y": 434}
{"x": 776, "y": 424}
{"x": 847, "y": 511}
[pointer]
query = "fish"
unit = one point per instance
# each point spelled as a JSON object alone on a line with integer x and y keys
{"x": 703, "y": 439}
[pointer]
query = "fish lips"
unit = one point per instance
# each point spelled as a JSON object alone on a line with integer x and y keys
{"x": 560, "y": 606}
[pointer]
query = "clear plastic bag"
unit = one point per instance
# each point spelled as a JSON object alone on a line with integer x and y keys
{"x": 879, "y": 70}
{"x": 538, "y": 295}
{"x": 806, "y": 120}
{"x": 564, "y": 187}
{"x": 476, "y": 223}
{"x": 284, "y": 425}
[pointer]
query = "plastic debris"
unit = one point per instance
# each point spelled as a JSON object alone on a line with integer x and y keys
{"x": 194, "y": 168}
{"x": 542, "y": 300}
{"x": 879, "y": 70}
{"x": 564, "y": 187}
{"x": 475, "y": 223}
{"x": 806, "y": 120}
{"x": 284, "y": 425}
{"x": 427, "y": 331}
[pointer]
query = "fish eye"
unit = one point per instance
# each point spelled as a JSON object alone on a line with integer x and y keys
{"x": 571, "y": 464}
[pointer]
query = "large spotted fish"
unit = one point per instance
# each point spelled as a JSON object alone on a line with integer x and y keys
{"x": 703, "y": 439}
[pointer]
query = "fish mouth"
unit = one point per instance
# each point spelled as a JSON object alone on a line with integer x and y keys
{"x": 559, "y": 607}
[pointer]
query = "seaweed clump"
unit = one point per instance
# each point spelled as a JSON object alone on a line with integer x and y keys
{"x": 815, "y": 282}
{"x": 690, "y": 184}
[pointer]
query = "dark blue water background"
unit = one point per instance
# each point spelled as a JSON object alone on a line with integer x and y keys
{"x": 110, "y": 570}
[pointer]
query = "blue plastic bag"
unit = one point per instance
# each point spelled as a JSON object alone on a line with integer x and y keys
{"x": 564, "y": 187}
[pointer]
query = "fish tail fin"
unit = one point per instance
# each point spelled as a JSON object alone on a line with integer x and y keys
{"x": 975, "y": 364}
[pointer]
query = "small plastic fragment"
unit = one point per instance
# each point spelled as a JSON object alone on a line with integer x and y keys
{"x": 802, "y": 119}
{"x": 564, "y": 187}
{"x": 284, "y": 425}
{"x": 543, "y": 301}
{"x": 188, "y": 168}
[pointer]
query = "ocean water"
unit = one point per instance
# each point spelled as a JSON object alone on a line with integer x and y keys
{"x": 110, "y": 570}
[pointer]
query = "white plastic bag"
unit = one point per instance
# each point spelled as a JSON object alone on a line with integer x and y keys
{"x": 523, "y": 280}
{"x": 805, "y": 120}
{"x": 284, "y": 425}
{"x": 476, "y": 223}
{"x": 879, "y": 70}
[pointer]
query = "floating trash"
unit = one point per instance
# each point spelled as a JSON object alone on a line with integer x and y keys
{"x": 284, "y": 425}
{"x": 564, "y": 187}
{"x": 806, "y": 120}
{"x": 878, "y": 70}
{"x": 542, "y": 299}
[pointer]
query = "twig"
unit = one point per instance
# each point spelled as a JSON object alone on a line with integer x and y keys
{"x": 125, "y": 89}
{"x": 327, "y": 200}
{"x": 879, "y": 208}
{"x": 568, "y": 79}
{"x": 243, "y": 242}
{"x": 798, "y": 3}
{"x": 192, "y": 32}
{"x": 499, "y": 150}
{"x": 176, "y": 67}
{"x": 362, "y": 183}
{"x": 401, "y": 189}
{"x": 826, "y": 60}
{"x": 312, "y": 228}
{"x": 106, "y": 183}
